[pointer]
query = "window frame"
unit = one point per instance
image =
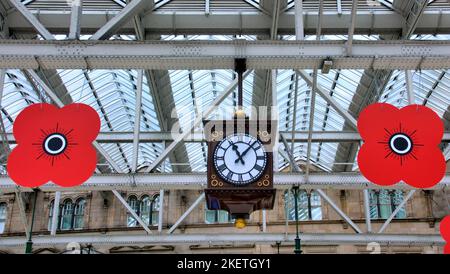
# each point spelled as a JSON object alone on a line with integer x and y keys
{"x": 153, "y": 208}
{"x": 71, "y": 216}
{"x": 375, "y": 203}
{"x": 80, "y": 202}
{"x": 134, "y": 207}
{"x": 66, "y": 213}
{"x": 306, "y": 207}
{"x": 4, "y": 208}
{"x": 217, "y": 219}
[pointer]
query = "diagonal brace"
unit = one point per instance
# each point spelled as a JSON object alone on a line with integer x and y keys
{"x": 185, "y": 214}
{"x": 132, "y": 212}
{"x": 330, "y": 100}
{"x": 32, "y": 19}
{"x": 388, "y": 221}
{"x": 196, "y": 123}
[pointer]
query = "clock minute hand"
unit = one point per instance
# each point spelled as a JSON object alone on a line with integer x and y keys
{"x": 249, "y": 147}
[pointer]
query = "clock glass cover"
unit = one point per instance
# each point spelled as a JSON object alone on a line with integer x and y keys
{"x": 240, "y": 159}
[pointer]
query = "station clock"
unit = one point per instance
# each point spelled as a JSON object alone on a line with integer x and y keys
{"x": 240, "y": 166}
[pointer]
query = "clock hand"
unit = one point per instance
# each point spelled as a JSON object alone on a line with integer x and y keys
{"x": 250, "y": 146}
{"x": 235, "y": 148}
{"x": 245, "y": 152}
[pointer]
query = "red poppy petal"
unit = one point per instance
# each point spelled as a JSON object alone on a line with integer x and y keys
{"x": 75, "y": 166}
{"x": 32, "y": 121}
{"x": 427, "y": 170}
{"x": 81, "y": 120}
{"x": 376, "y": 167}
{"x": 428, "y": 128}
{"x": 375, "y": 119}
{"x": 445, "y": 228}
{"x": 25, "y": 170}
{"x": 447, "y": 249}
{"x": 445, "y": 232}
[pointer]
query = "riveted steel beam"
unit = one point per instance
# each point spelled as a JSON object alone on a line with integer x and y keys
{"x": 218, "y": 238}
{"x": 221, "y": 54}
{"x": 197, "y": 181}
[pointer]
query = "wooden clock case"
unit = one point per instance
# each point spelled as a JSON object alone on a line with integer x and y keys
{"x": 239, "y": 200}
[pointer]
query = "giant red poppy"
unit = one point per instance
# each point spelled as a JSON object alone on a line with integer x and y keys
{"x": 401, "y": 144}
{"x": 445, "y": 232}
{"x": 54, "y": 144}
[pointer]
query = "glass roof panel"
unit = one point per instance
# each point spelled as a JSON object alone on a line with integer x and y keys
{"x": 431, "y": 88}
{"x": 18, "y": 93}
{"x": 340, "y": 84}
{"x": 113, "y": 93}
{"x": 194, "y": 92}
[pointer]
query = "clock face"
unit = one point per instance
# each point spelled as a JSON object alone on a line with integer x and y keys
{"x": 240, "y": 159}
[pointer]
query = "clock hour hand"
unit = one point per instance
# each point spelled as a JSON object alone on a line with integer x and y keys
{"x": 235, "y": 148}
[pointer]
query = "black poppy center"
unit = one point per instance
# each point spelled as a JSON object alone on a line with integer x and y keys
{"x": 400, "y": 143}
{"x": 55, "y": 144}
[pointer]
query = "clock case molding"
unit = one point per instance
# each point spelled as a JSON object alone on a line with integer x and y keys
{"x": 239, "y": 200}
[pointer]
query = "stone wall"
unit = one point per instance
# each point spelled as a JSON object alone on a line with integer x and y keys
{"x": 104, "y": 213}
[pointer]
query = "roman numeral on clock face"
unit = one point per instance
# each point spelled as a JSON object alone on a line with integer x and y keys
{"x": 258, "y": 168}
{"x": 230, "y": 175}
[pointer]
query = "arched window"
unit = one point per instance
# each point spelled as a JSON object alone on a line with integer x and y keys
{"x": 154, "y": 215}
{"x": 217, "y": 216}
{"x": 384, "y": 202}
{"x": 2, "y": 217}
{"x": 67, "y": 215}
{"x": 71, "y": 216}
{"x": 309, "y": 205}
{"x": 146, "y": 208}
{"x": 315, "y": 206}
{"x": 134, "y": 204}
{"x": 78, "y": 214}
